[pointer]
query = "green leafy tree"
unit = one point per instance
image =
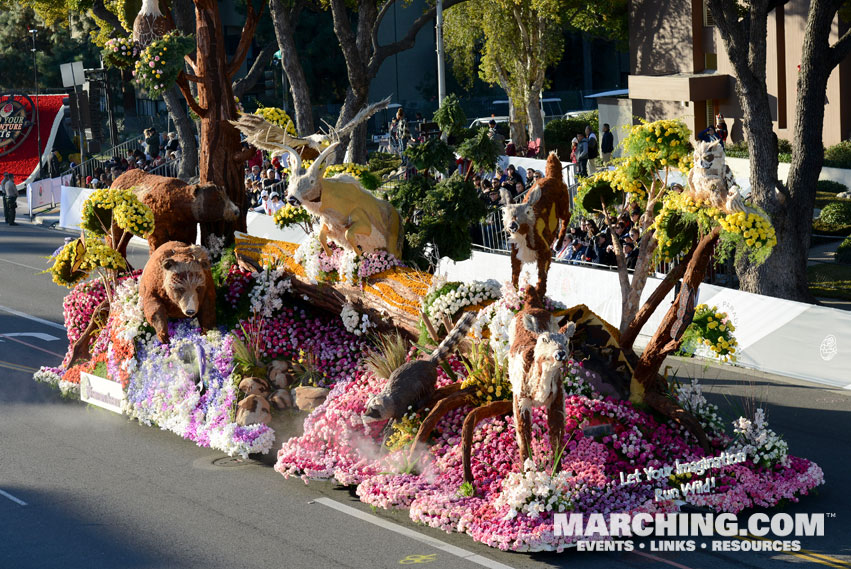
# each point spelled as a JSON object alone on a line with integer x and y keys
{"x": 518, "y": 41}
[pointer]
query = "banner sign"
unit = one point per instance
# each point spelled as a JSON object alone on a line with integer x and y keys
{"x": 101, "y": 392}
{"x": 43, "y": 193}
{"x": 15, "y": 121}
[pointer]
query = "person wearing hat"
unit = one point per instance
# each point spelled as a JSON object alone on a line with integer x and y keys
{"x": 264, "y": 199}
{"x": 274, "y": 203}
{"x": 10, "y": 198}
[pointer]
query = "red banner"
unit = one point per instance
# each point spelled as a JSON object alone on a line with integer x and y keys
{"x": 22, "y": 161}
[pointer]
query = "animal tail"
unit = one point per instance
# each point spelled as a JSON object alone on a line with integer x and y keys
{"x": 456, "y": 335}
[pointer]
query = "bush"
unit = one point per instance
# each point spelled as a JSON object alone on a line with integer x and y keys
{"x": 559, "y": 132}
{"x": 836, "y": 213}
{"x": 838, "y": 155}
{"x": 843, "y": 253}
{"x": 830, "y": 187}
{"x": 784, "y": 146}
{"x": 833, "y": 229}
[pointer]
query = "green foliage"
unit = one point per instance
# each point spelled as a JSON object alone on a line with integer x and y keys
{"x": 120, "y": 53}
{"x": 383, "y": 163}
{"x": 450, "y": 116}
{"x": 834, "y": 229}
{"x": 836, "y": 213}
{"x": 100, "y": 370}
{"x": 843, "y": 252}
{"x": 466, "y": 489}
{"x": 559, "y": 133}
{"x": 592, "y": 195}
{"x": 830, "y": 187}
{"x": 480, "y": 150}
{"x": 682, "y": 232}
{"x": 444, "y": 212}
{"x": 433, "y": 154}
{"x": 435, "y": 294}
{"x": 784, "y": 146}
{"x": 220, "y": 270}
{"x": 838, "y": 155}
{"x": 831, "y": 280}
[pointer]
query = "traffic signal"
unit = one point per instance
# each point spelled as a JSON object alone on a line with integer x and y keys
{"x": 67, "y": 106}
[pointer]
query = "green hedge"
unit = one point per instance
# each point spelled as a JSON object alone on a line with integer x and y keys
{"x": 843, "y": 253}
{"x": 836, "y": 213}
{"x": 559, "y": 132}
{"x": 838, "y": 155}
{"x": 830, "y": 187}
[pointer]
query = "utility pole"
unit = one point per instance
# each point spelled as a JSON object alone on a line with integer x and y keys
{"x": 33, "y": 32}
{"x": 441, "y": 72}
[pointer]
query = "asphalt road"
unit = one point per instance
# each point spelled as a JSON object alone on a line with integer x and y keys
{"x": 82, "y": 487}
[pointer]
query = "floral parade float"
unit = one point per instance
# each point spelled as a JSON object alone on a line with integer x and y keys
{"x": 496, "y": 367}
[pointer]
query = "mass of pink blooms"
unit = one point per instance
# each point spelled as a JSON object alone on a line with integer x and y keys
{"x": 338, "y": 445}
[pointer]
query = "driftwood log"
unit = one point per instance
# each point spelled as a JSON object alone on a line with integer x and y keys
{"x": 392, "y": 298}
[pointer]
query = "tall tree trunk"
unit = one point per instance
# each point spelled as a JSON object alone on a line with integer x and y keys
{"x": 184, "y": 127}
{"x": 353, "y": 149}
{"x": 536, "y": 119}
{"x": 285, "y": 33}
{"x": 220, "y": 144}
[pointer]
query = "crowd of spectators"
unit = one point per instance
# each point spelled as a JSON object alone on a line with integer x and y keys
{"x": 592, "y": 243}
{"x": 156, "y": 150}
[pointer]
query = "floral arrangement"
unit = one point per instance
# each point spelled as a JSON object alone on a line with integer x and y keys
{"x": 54, "y": 376}
{"x": 77, "y": 259}
{"x": 279, "y": 117}
{"x": 507, "y": 507}
{"x": 534, "y": 492}
{"x": 121, "y": 206}
{"x": 665, "y": 142}
{"x": 713, "y": 329}
{"x": 198, "y": 402}
{"x": 749, "y": 232}
{"x": 294, "y": 215}
{"x": 452, "y": 297}
{"x": 342, "y": 264}
{"x": 79, "y": 305}
{"x": 266, "y": 296}
{"x": 360, "y": 172}
{"x": 690, "y": 397}
{"x": 487, "y": 376}
{"x": 357, "y": 324}
{"x": 121, "y": 52}
{"x": 161, "y": 62}
{"x": 764, "y": 446}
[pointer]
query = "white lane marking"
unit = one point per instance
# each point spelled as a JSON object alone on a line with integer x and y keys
{"x": 23, "y": 265}
{"x": 37, "y": 335}
{"x": 33, "y": 318}
{"x": 436, "y": 543}
{"x": 18, "y": 501}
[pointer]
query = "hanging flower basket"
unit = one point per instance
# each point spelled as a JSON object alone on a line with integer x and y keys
{"x": 162, "y": 61}
{"x": 121, "y": 53}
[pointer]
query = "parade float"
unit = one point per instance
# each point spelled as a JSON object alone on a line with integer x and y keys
{"x": 480, "y": 407}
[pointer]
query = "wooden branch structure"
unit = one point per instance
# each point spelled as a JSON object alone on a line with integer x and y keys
{"x": 391, "y": 298}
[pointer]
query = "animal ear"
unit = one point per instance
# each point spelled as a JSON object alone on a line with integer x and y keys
{"x": 201, "y": 254}
{"x": 531, "y": 324}
{"x": 568, "y": 330}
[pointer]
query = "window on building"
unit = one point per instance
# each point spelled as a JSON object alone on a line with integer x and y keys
{"x": 710, "y": 113}
{"x": 710, "y": 61}
{"x": 707, "y": 16}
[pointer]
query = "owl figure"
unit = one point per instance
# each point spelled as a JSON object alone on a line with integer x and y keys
{"x": 711, "y": 179}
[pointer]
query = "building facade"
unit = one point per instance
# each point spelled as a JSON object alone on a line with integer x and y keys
{"x": 679, "y": 69}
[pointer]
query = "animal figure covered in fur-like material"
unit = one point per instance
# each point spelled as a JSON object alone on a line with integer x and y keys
{"x": 177, "y": 283}
{"x": 537, "y": 354}
{"x": 178, "y": 207}
{"x": 412, "y": 383}
{"x": 711, "y": 180}
{"x": 533, "y": 226}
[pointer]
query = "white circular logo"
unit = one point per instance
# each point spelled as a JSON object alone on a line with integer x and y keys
{"x": 827, "y": 349}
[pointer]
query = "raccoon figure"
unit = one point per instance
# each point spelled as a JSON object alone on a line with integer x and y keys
{"x": 412, "y": 384}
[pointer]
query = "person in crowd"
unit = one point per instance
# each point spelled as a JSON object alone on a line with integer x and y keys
{"x": 275, "y": 203}
{"x": 399, "y": 132}
{"x": 582, "y": 155}
{"x": 494, "y": 134}
{"x": 498, "y": 177}
{"x": 152, "y": 142}
{"x": 262, "y": 203}
{"x": 574, "y": 145}
{"x": 577, "y": 252}
{"x": 513, "y": 175}
{"x": 607, "y": 145}
{"x": 10, "y": 197}
{"x": 593, "y": 149}
{"x": 173, "y": 145}
{"x": 477, "y": 183}
{"x": 255, "y": 173}
{"x": 635, "y": 233}
{"x": 721, "y": 129}
{"x": 631, "y": 254}
{"x": 708, "y": 134}
{"x": 566, "y": 247}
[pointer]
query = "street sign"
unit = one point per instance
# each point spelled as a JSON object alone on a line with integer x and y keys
{"x": 72, "y": 74}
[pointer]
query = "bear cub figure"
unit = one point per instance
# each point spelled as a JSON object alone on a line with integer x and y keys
{"x": 177, "y": 283}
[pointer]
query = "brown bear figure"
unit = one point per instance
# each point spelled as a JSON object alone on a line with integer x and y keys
{"x": 532, "y": 225}
{"x": 177, "y": 283}
{"x": 177, "y": 206}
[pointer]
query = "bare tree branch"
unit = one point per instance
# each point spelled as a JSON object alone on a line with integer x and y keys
{"x": 190, "y": 99}
{"x": 251, "y": 20}
{"x": 263, "y": 58}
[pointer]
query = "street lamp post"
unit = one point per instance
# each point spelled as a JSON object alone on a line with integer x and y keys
{"x": 34, "y": 32}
